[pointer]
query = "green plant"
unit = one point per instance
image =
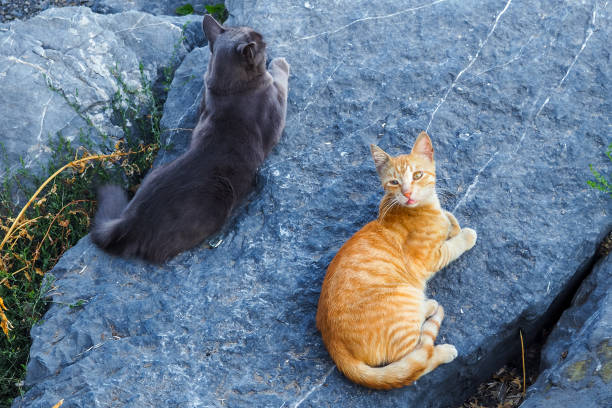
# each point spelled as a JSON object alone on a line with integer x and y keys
{"x": 184, "y": 10}
{"x": 58, "y": 214}
{"x": 218, "y": 11}
{"x": 601, "y": 183}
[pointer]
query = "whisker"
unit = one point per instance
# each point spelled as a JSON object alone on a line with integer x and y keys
{"x": 388, "y": 205}
{"x": 384, "y": 209}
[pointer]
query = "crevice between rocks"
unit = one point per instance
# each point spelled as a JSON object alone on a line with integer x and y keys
{"x": 535, "y": 335}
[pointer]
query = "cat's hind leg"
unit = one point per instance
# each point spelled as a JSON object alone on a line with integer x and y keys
{"x": 431, "y": 306}
{"x": 441, "y": 354}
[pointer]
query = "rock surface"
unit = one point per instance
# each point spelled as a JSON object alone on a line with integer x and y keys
{"x": 23, "y": 9}
{"x": 577, "y": 357}
{"x": 516, "y": 98}
{"x": 181, "y": 109}
{"x": 157, "y": 7}
{"x": 75, "y": 51}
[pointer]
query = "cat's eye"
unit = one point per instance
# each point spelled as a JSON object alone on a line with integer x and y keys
{"x": 394, "y": 182}
{"x": 417, "y": 175}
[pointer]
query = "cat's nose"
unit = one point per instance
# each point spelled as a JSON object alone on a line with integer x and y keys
{"x": 407, "y": 194}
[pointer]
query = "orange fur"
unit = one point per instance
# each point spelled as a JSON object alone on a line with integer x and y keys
{"x": 373, "y": 315}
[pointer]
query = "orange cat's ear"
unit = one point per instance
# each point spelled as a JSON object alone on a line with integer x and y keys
{"x": 380, "y": 157}
{"x": 423, "y": 146}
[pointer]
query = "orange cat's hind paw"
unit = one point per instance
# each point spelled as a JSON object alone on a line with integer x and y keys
{"x": 431, "y": 306}
{"x": 445, "y": 353}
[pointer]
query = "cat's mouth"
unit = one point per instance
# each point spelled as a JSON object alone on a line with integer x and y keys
{"x": 408, "y": 202}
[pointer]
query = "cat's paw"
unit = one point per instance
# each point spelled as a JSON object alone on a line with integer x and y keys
{"x": 470, "y": 237}
{"x": 454, "y": 228}
{"x": 281, "y": 63}
{"x": 446, "y": 352}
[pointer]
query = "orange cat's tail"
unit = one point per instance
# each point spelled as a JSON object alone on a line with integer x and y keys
{"x": 424, "y": 358}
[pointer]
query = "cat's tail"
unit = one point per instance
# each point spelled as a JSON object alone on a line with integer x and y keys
{"x": 108, "y": 225}
{"x": 420, "y": 361}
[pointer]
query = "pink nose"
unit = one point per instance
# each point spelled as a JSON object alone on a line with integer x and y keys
{"x": 407, "y": 194}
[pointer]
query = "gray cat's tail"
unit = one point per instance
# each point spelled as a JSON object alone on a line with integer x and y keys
{"x": 108, "y": 226}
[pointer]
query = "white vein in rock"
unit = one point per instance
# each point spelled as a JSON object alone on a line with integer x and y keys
{"x": 197, "y": 101}
{"x": 450, "y": 88}
{"x": 518, "y": 56}
{"x": 42, "y": 119}
{"x": 10, "y": 37}
{"x": 318, "y": 385}
{"x": 148, "y": 25}
{"x": 318, "y": 94}
{"x": 380, "y": 17}
{"x": 474, "y": 182}
{"x": 590, "y": 32}
{"x": 19, "y": 61}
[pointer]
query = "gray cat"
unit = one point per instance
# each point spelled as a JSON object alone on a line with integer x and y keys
{"x": 242, "y": 117}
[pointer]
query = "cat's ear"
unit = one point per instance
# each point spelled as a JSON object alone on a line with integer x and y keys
{"x": 380, "y": 158}
{"x": 423, "y": 146}
{"x": 211, "y": 29}
{"x": 247, "y": 50}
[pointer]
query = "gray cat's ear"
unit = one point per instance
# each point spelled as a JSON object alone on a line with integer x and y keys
{"x": 247, "y": 51}
{"x": 423, "y": 146}
{"x": 211, "y": 29}
{"x": 380, "y": 157}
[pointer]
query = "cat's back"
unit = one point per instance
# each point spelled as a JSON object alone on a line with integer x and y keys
{"x": 369, "y": 259}
{"x": 378, "y": 259}
{"x": 373, "y": 248}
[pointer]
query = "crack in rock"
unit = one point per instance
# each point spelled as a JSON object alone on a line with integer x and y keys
{"x": 397, "y": 13}
{"x": 590, "y": 30}
{"x": 318, "y": 385}
{"x": 450, "y": 88}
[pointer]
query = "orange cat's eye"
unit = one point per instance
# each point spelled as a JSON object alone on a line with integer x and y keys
{"x": 394, "y": 182}
{"x": 417, "y": 175}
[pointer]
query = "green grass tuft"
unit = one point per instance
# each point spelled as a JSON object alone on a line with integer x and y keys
{"x": 218, "y": 11}
{"x": 184, "y": 10}
{"x": 602, "y": 183}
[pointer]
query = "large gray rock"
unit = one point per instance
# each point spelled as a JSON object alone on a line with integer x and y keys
{"x": 193, "y": 29}
{"x": 516, "y": 99}
{"x": 577, "y": 357}
{"x": 62, "y": 61}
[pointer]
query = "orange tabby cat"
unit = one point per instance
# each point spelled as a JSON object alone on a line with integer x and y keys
{"x": 373, "y": 315}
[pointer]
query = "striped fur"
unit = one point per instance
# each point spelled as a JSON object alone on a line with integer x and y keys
{"x": 373, "y": 315}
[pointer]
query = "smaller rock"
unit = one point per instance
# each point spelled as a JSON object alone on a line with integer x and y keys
{"x": 181, "y": 108}
{"x": 577, "y": 357}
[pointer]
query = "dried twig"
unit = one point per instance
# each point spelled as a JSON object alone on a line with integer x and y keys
{"x": 74, "y": 163}
{"x": 523, "y": 358}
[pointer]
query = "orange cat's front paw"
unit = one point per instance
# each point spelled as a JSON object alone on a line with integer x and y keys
{"x": 470, "y": 237}
{"x": 454, "y": 229}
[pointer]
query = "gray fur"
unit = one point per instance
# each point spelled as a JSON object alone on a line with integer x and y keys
{"x": 242, "y": 117}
